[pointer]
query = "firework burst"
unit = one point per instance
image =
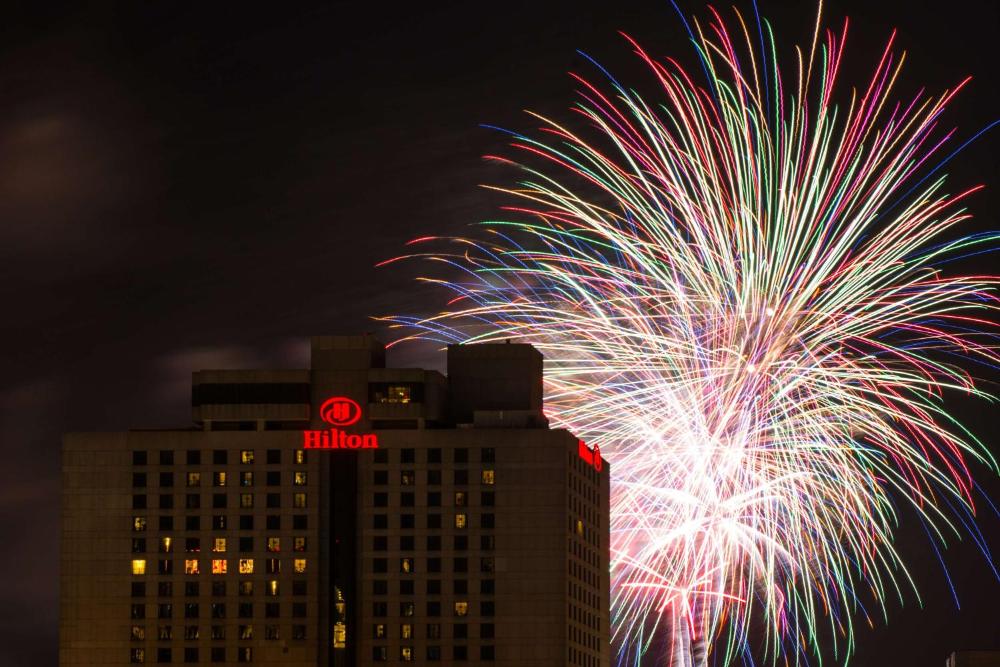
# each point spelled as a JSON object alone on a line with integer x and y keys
{"x": 737, "y": 290}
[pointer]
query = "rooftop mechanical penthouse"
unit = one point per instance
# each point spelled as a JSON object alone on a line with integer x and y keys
{"x": 346, "y": 514}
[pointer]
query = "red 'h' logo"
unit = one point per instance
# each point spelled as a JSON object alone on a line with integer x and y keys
{"x": 340, "y": 411}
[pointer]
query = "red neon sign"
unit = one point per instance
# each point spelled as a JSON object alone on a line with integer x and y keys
{"x": 339, "y": 411}
{"x": 593, "y": 458}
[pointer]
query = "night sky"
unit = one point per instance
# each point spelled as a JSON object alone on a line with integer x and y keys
{"x": 191, "y": 185}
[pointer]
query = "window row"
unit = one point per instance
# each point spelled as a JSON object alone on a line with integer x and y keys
{"x": 433, "y": 631}
{"x": 216, "y": 632}
{"x": 460, "y": 608}
{"x": 408, "y": 543}
{"x": 434, "y": 455}
{"x": 219, "y": 478}
{"x": 407, "y": 565}
{"x": 218, "y": 566}
{"x": 140, "y": 457}
{"x": 460, "y": 520}
{"x": 220, "y": 522}
{"x": 244, "y": 588}
{"x": 218, "y": 610}
{"x": 166, "y": 544}
{"x": 191, "y": 655}
{"x": 219, "y": 501}
{"x": 433, "y": 587}
{"x": 433, "y": 653}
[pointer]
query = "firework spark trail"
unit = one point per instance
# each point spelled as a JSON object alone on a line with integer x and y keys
{"x": 737, "y": 294}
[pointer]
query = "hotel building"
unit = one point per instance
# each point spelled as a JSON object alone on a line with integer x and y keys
{"x": 346, "y": 514}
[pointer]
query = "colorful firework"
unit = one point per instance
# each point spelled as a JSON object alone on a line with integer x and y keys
{"x": 739, "y": 295}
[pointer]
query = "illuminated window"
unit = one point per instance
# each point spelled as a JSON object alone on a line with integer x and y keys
{"x": 246, "y": 500}
{"x": 194, "y": 479}
{"x": 378, "y": 631}
{"x": 299, "y": 479}
{"x": 139, "y": 566}
{"x": 461, "y": 609}
{"x": 191, "y": 632}
{"x": 407, "y": 478}
{"x": 489, "y": 476}
{"x": 244, "y": 654}
{"x": 300, "y": 456}
{"x": 218, "y": 632}
{"x": 138, "y": 633}
{"x": 406, "y": 654}
{"x": 272, "y": 587}
{"x": 219, "y": 565}
{"x": 460, "y": 521}
{"x": 406, "y": 565}
{"x": 460, "y": 499}
{"x": 406, "y": 631}
{"x": 246, "y": 479}
{"x": 139, "y": 524}
{"x": 137, "y": 655}
{"x": 219, "y": 479}
{"x": 272, "y": 632}
{"x": 191, "y": 567}
{"x": 246, "y": 566}
{"x": 246, "y": 632}
{"x": 579, "y": 527}
{"x": 406, "y": 609}
{"x": 298, "y": 544}
{"x": 219, "y": 545}
{"x": 299, "y": 565}
{"x": 246, "y": 588}
{"x": 299, "y": 500}
{"x": 165, "y": 632}
{"x": 246, "y": 456}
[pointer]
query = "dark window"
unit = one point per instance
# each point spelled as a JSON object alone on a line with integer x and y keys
{"x": 380, "y": 565}
{"x": 488, "y": 455}
{"x": 190, "y": 655}
{"x": 407, "y": 521}
{"x": 166, "y": 501}
{"x": 381, "y": 499}
{"x": 218, "y": 589}
{"x": 165, "y": 588}
{"x": 245, "y": 610}
{"x": 434, "y": 543}
{"x": 218, "y": 654}
{"x": 272, "y": 477}
{"x": 434, "y": 608}
{"x": 406, "y": 587}
{"x": 218, "y": 610}
{"x": 298, "y": 632}
{"x": 272, "y": 610}
{"x": 163, "y": 655}
{"x": 166, "y": 457}
{"x": 380, "y": 543}
{"x": 191, "y": 610}
{"x": 380, "y": 587}
{"x": 433, "y": 653}
{"x": 380, "y": 521}
{"x": 434, "y": 564}
{"x": 219, "y": 501}
{"x": 461, "y": 455}
{"x": 220, "y": 457}
{"x": 273, "y": 522}
{"x": 380, "y": 609}
{"x": 166, "y": 523}
{"x": 381, "y": 455}
{"x": 487, "y": 587}
{"x": 486, "y": 608}
{"x": 406, "y": 543}
{"x": 460, "y": 565}
{"x": 244, "y": 654}
{"x": 219, "y": 522}
{"x": 193, "y": 457}
{"x": 139, "y": 502}
{"x": 192, "y": 501}
{"x": 381, "y": 477}
{"x": 272, "y": 500}
{"x": 165, "y": 566}
{"x": 246, "y": 544}
{"x": 488, "y": 521}
{"x": 298, "y": 610}
{"x": 166, "y": 479}
{"x": 246, "y": 522}
{"x": 138, "y": 545}
{"x": 459, "y": 653}
{"x": 139, "y": 457}
{"x": 300, "y": 522}
{"x": 299, "y": 587}
{"x": 273, "y": 457}
{"x": 486, "y": 653}
{"x": 408, "y": 455}
{"x": 487, "y": 499}
{"x": 461, "y": 542}
{"x": 138, "y": 611}
{"x": 191, "y": 589}
{"x": 434, "y": 499}
{"x": 434, "y": 521}
{"x": 486, "y": 631}
{"x": 434, "y": 455}
{"x": 460, "y": 631}
{"x": 380, "y": 653}
{"x": 405, "y": 499}
{"x": 461, "y": 477}
{"x": 192, "y": 544}
{"x": 434, "y": 477}
{"x": 434, "y": 587}
{"x": 139, "y": 479}
{"x": 460, "y": 586}
{"x": 138, "y": 589}
{"x": 192, "y": 523}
